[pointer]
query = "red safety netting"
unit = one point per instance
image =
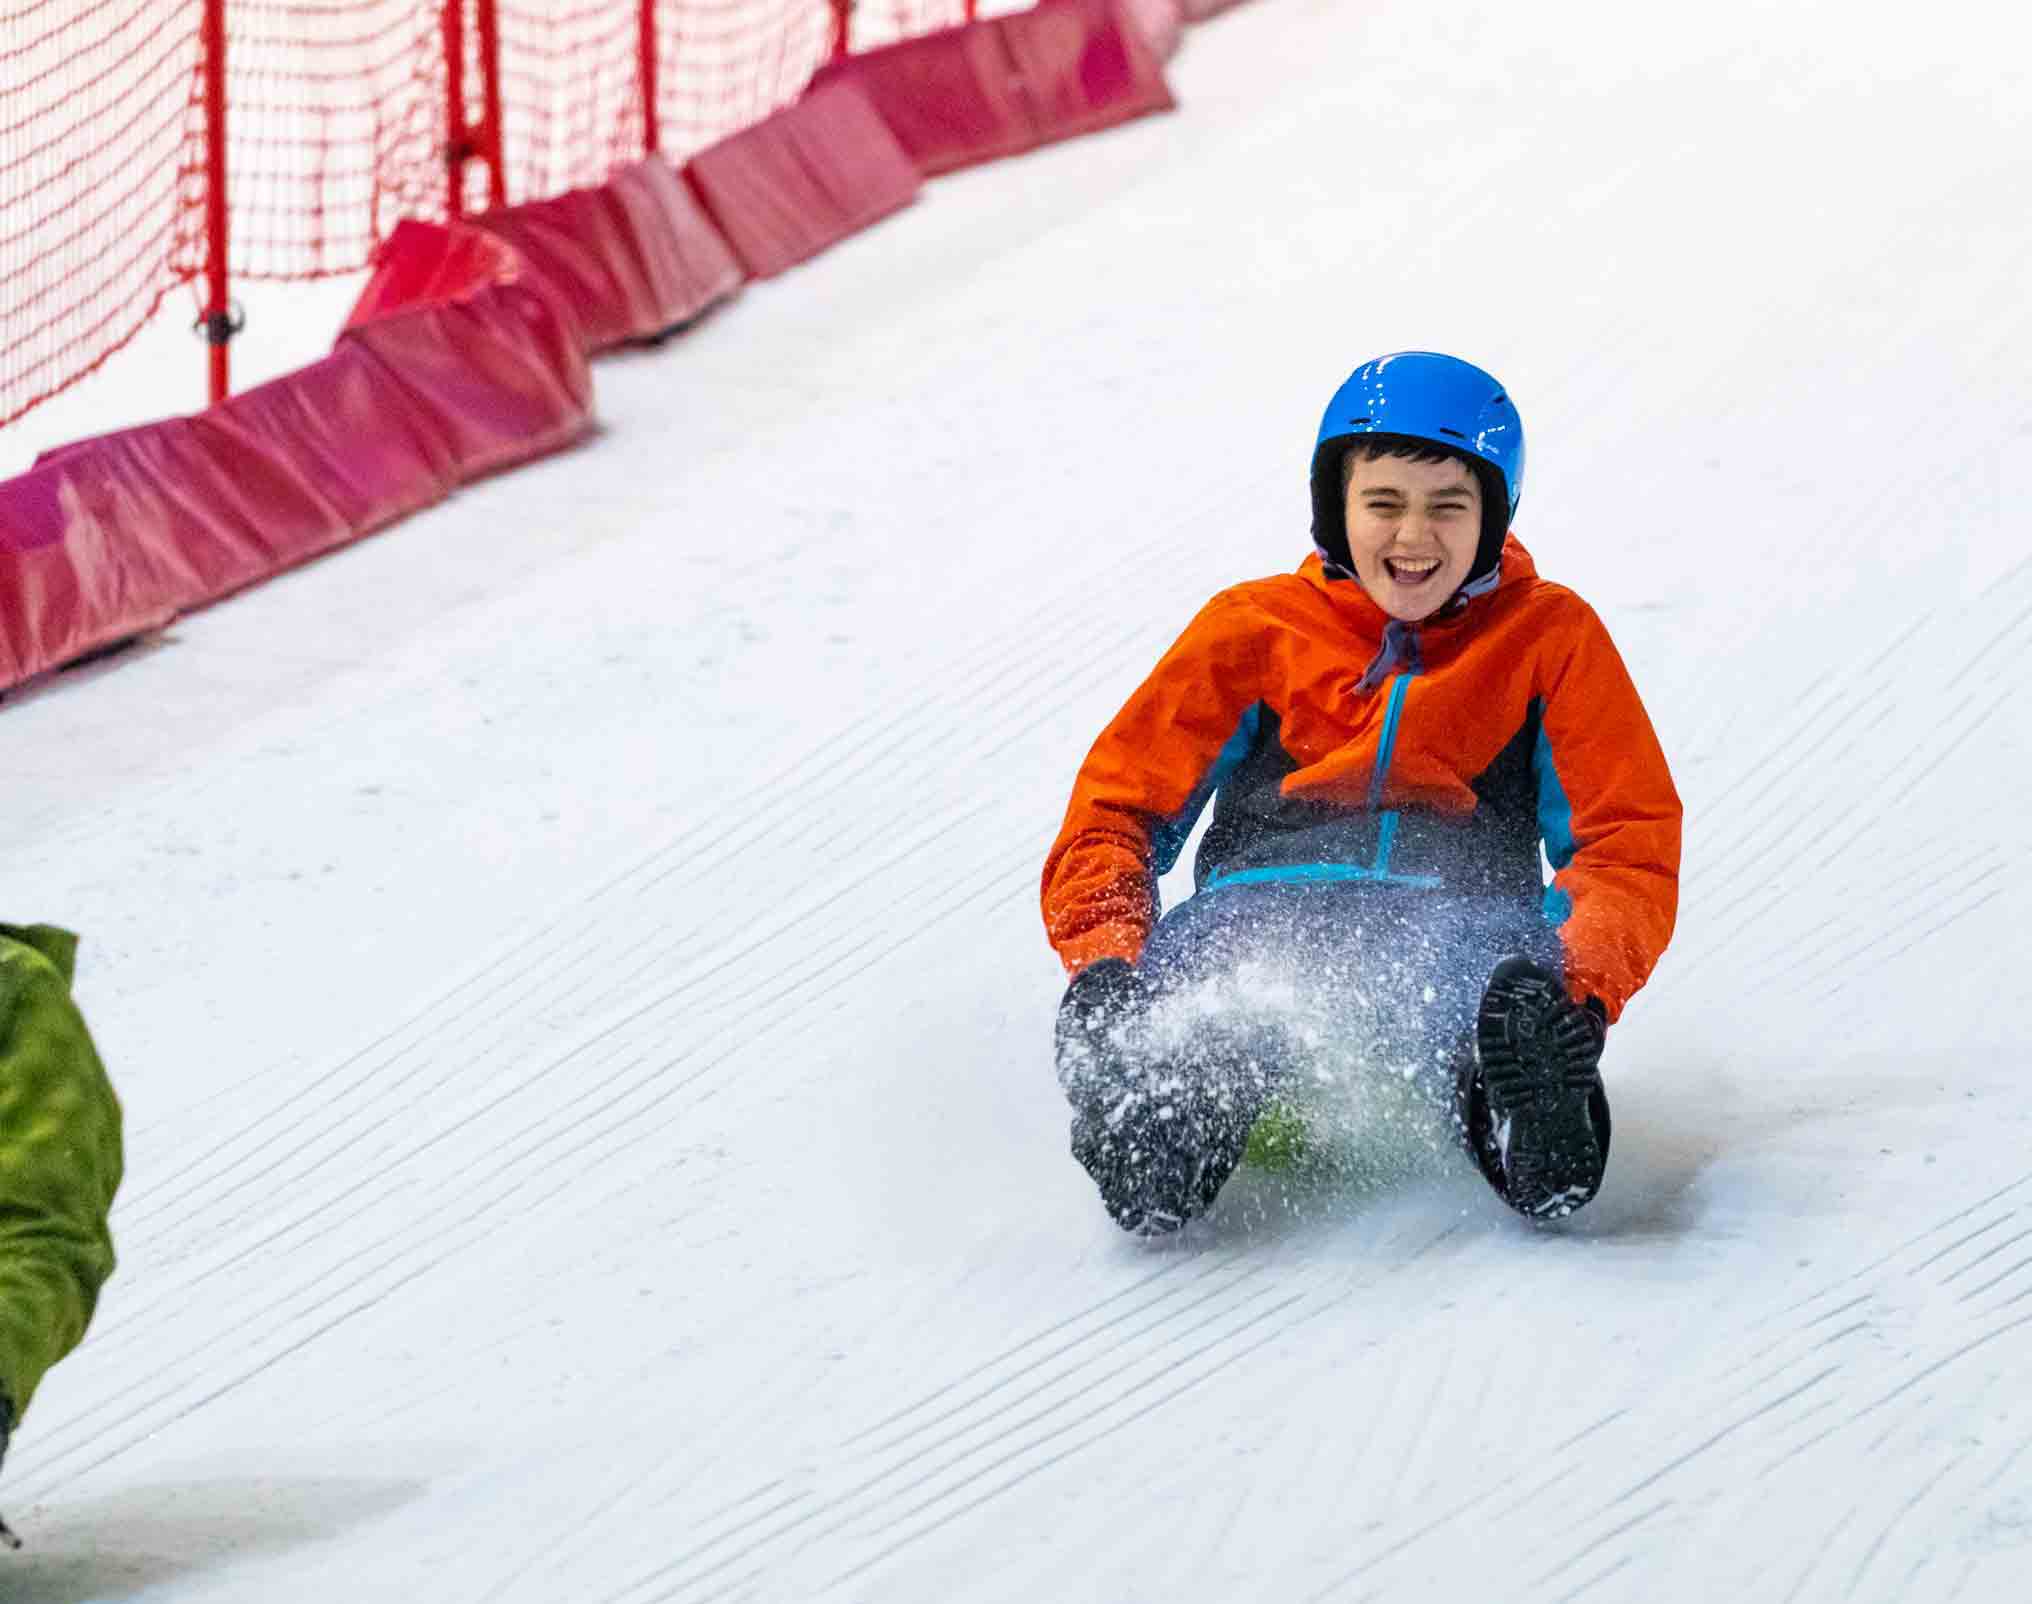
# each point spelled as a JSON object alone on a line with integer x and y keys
{"x": 335, "y": 129}
{"x": 883, "y": 22}
{"x": 571, "y": 78}
{"x": 571, "y": 93}
{"x": 726, "y": 64}
{"x": 338, "y": 125}
{"x": 97, "y": 102}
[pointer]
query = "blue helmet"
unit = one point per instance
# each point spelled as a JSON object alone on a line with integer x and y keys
{"x": 1437, "y": 400}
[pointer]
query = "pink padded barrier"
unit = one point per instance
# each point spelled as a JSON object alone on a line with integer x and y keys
{"x": 68, "y": 583}
{"x": 949, "y": 97}
{"x": 425, "y": 263}
{"x": 1009, "y": 84}
{"x": 1162, "y": 24}
{"x": 500, "y": 375}
{"x": 804, "y": 178}
{"x": 569, "y": 248}
{"x": 631, "y": 259}
{"x": 1084, "y": 65}
{"x": 111, "y": 537}
{"x": 689, "y": 264}
{"x": 114, "y": 536}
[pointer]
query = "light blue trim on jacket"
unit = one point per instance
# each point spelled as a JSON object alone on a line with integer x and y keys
{"x": 1169, "y": 838}
{"x": 1386, "y": 746}
{"x": 1555, "y": 813}
{"x": 1319, "y": 873}
{"x": 1555, "y": 826}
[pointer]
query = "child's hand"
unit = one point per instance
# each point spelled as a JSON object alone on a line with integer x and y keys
{"x": 1102, "y": 997}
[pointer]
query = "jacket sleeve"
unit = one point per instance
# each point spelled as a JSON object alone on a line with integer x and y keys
{"x": 60, "y": 1161}
{"x": 1610, "y": 819}
{"x": 1143, "y": 786}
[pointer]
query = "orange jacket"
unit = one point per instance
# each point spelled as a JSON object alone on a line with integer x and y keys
{"x": 1344, "y": 745}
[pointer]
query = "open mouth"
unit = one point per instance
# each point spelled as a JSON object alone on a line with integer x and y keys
{"x": 1411, "y": 571}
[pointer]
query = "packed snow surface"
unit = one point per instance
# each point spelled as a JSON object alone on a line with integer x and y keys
{"x": 572, "y": 962}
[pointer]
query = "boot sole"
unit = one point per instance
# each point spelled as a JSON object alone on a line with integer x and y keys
{"x": 1539, "y": 1080}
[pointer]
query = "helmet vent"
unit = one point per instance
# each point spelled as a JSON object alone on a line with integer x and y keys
{"x": 1353, "y": 421}
{"x": 1455, "y": 433}
{"x": 1500, "y": 401}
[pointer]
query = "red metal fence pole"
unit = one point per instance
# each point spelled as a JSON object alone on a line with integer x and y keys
{"x": 645, "y": 45}
{"x": 843, "y": 27}
{"x": 218, "y": 323}
{"x": 458, "y": 139}
{"x": 490, "y": 93}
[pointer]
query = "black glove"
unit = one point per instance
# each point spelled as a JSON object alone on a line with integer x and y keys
{"x": 1102, "y": 996}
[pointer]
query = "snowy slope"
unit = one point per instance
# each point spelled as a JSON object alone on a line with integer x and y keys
{"x": 573, "y": 968}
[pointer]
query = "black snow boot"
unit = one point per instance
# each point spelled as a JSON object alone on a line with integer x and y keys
{"x": 1532, "y": 1106}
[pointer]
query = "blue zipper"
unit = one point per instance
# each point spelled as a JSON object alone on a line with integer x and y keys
{"x": 1386, "y": 749}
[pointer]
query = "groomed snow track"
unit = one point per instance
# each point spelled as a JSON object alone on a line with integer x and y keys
{"x": 572, "y": 963}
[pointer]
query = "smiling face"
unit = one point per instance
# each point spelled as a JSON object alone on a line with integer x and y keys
{"x": 1412, "y": 531}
